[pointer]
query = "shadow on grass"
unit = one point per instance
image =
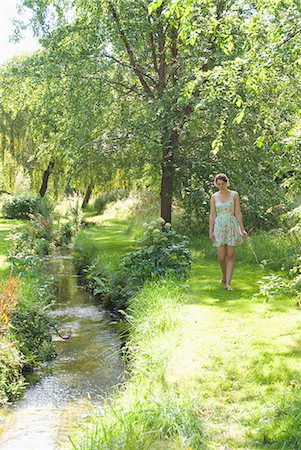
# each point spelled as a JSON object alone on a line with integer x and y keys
{"x": 271, "y": 383}
{"x": 280, "y": 427}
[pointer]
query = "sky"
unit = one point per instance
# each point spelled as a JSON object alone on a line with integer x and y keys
{"x": 8, "y": 11}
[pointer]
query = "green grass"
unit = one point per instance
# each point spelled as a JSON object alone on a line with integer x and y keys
{"x": 224, "y": 363}
{"x": 149, "y": 414}
{"x": 269, "y": 249}
{"x": 243, "y": 358}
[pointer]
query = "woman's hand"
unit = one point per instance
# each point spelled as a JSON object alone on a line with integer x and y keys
{"x": 244, "y": 234}
{"x": 211, "y": 237}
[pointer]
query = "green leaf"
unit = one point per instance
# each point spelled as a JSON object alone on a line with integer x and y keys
{"x": 240, "y": 116}
{"x": 154, "y": 6}
{"x": 259, "y": 141}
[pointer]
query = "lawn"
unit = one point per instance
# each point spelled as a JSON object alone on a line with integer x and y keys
{"x": 236, "y": 355}
{"x": 242, "y": 357}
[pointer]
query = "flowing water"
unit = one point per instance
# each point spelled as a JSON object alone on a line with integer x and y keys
{"x": 87, "y": 367}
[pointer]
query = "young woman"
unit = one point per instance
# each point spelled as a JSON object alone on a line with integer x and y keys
{"x": 226, "y": 229}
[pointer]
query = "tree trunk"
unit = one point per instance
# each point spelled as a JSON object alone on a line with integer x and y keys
{"x": 45, "y": 178}
{"x": 87, "y": 195}
{"x": 170, "y": 143}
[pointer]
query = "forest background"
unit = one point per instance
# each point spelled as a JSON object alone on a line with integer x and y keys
{"x": 159, "y": 96}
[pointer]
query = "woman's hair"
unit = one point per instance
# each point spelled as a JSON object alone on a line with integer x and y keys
{"x": 223, "y": 177}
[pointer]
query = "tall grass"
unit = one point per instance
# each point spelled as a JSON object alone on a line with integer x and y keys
{"x": 272, "y": 249}
{"x": 149, "y": 413}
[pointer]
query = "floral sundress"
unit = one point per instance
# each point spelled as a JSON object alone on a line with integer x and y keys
{"x": 226, "y": 229}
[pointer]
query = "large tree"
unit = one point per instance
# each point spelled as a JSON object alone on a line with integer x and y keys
{"x": 155, "y": 55}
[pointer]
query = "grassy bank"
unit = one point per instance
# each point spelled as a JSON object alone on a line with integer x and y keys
{"x": 149, "y": 413}
{"x": 210, "y": 368}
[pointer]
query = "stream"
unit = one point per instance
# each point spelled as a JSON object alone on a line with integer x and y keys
{"x": 87, "y": 367}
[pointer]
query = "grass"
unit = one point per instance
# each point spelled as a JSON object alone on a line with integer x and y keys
{"x": 149, "y": 413}
{"x": 271, "y": 249}
{"x": 243, "y": 358}
{"x": 224, "y": 363}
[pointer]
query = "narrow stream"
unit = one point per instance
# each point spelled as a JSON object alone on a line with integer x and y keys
{"x": 87, "y": 367}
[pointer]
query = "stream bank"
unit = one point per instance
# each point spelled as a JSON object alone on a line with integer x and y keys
{"x": 87, "y": 367}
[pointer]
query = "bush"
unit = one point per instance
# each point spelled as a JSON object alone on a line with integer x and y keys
{"x": 31, "y": 325}
{"x": 31, "y": 245}
{"x": 33, "y": 330}
{"x": 65, "y": 234}
{"x": 162, "y": 252}
{"x": 11, "y": 378}
{"x": 84, "y": 253}
{"x": 22, "y": 205}
{"x": 104, "y": 199}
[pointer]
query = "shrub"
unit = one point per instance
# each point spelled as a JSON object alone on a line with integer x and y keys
{"x": 31, "y": 245}
{"x": 33, "y": 330}
{"x": 11, "y": 378}
{"x": 22, "y": 205}
{"x": 109, "y": 197}
{"x": 32, "y": 327}
{"x": 65, "y": 234}
{"x": 290, "y": 284}
{"x": 162, "y": 252}
{"x": 84, "y": 253}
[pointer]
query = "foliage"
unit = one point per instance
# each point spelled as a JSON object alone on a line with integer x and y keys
{"x": 84, "y": 252}
{"x": 31, "y": 325}
{"x": 31, "y": 245}
{"x": 33, "y": 330}
{"x": 192, "y": 87}
{"x": 23, "y": 206}
{"x": 109, "y": 197}
{"x": 65, "y": 234}
{"x": 26, "y": 332}
{"x": 162, "y": 252}
{"x": 273, "y": 285}
{"x": 9, "y": 298}
{"x": 11, "y": 362}
{"x": 290, "y": 284}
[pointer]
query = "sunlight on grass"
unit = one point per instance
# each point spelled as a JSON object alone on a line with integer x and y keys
{"x": 243, "y": 358}
{"x": 237, "y": 357}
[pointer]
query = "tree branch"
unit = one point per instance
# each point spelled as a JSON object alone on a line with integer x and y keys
{"x": 134, "y": 64}
{"x": 154, "y": 53}
{"x": 162, "y": 69}
{"x": 128, "y": 66}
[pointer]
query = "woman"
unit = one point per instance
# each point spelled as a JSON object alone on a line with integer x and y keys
{"x": 226, "y": 229}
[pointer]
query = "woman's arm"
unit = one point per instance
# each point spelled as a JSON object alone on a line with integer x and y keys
{"x": 212, "y": 218}
{"x": 238, "y": 214}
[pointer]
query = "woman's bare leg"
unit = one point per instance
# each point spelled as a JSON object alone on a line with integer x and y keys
{"x": 230, "y": 252}
{"x": 222, "y": 254}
